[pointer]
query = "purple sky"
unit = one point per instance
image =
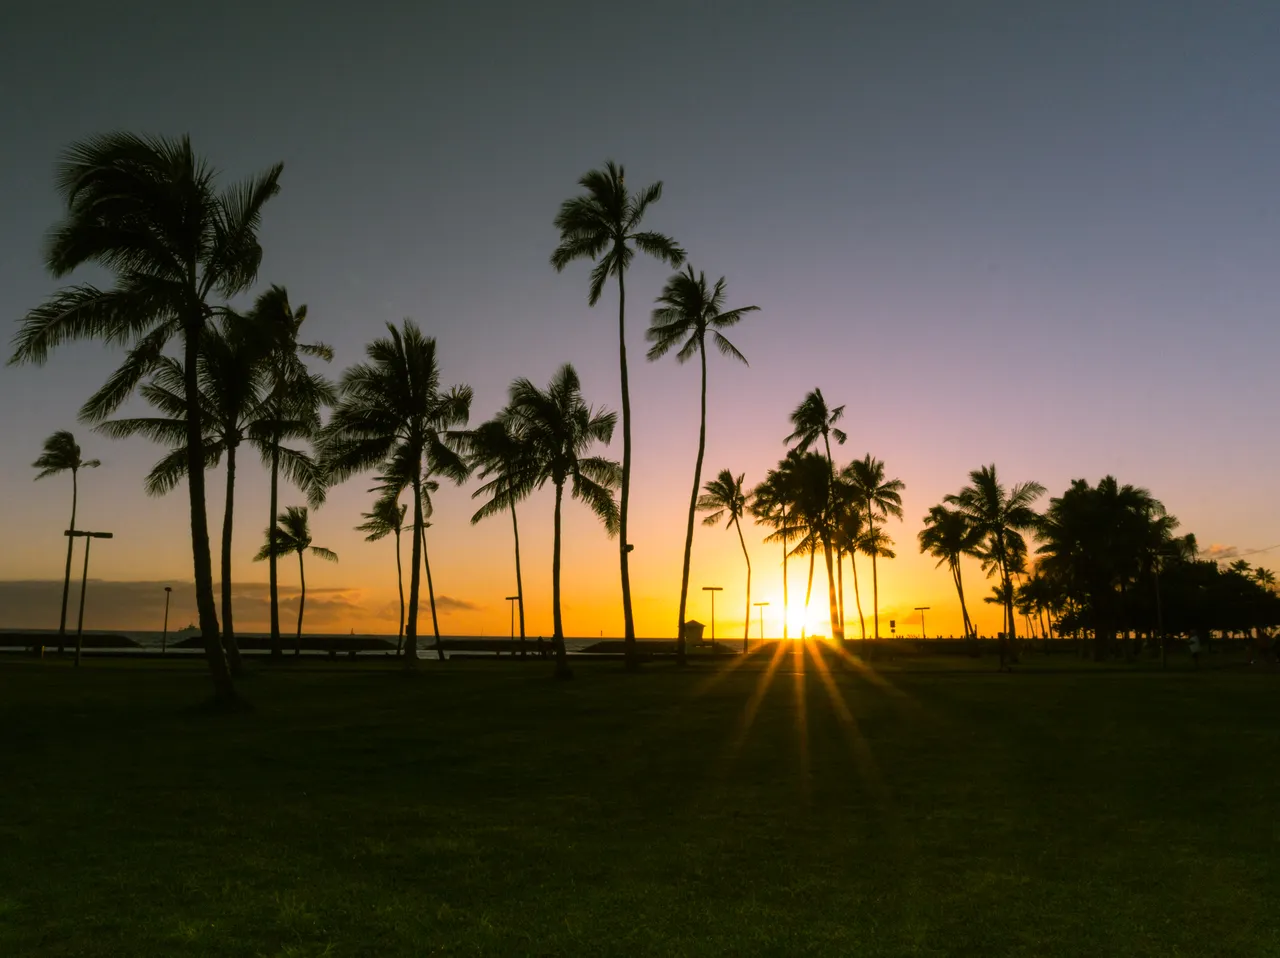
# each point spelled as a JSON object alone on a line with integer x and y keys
{"x": 1039, "y": 234}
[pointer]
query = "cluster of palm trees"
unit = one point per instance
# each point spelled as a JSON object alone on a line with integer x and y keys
{"x": 180, "y": 248}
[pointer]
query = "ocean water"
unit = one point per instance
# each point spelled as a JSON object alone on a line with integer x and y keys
{"x": 153, "y": 640}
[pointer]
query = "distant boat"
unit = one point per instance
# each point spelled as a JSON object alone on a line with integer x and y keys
{"x": 188, "y": 628}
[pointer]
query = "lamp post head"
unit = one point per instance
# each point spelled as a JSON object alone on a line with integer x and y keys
{"x": 511, "y": 598}
{"x": 168, "y": 588}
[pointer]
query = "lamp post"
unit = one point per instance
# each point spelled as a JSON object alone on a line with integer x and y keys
{"x": 84, "y": 578}
{"x": 513, "y": 599}
{"x": 922, "y": 609}
{"x": 713, "y": 589}
{"x": 760, "y": 606}
{"x": 164, "y": 636}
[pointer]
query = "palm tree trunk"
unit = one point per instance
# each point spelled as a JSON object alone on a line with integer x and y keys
{"x": 66, "y": 578}
{"x": 229, "y": 644}
{"x": 840, "y": 587}
{"x": 223, "y": 689}
{"x": 562, "y": 659}
{"x": 628, "y": 621}
{"x": 415, "y": 567}
{"x": 875, "y": 577}
{"x": 804, "y": 624}
{"x": 832, "y": 612}
{"x": 693, "y": 504}
{"x": 857, "y": 597}
{"x": 969, "y": 630}
{"x": 515, "y": 530}
{"x": 302, "y": 602}
{"x": 431, "y": 596}
{"x": 746, "y": 633}
{"x": 786, "y": 599}
{"x": 400, "y": 586}
{"x": 277, "y": 649}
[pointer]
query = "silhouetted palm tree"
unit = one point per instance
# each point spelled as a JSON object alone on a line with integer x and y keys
{"x": 293, "y": 534}
{"x": 391, "y": 410}
{"x": 688, "y": 311}
{"x": 1265, "y": 578}
{"x": 62, "y": 454}
{"x": 294, "y": 398}
{"x": 880, "y": 498}
{"x": 849, "y": 537}
{"x": 603, "y": 224}
{"x": 724, "y": 499}
{"x": 771, "y": 505}
{"x": 811, "y": 507}
{"x": 812, "y": 420}
{"x": 560, "y": 428}
{"x": 505, "y": 460}
{"x": 148, "y": 211}
{"x": 948, "y": 536}
{"x": 387, "y": 518}
{"x": 999, "y": 518}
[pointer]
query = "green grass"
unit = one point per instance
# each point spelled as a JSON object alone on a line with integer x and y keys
{"x": 484, "y": 809}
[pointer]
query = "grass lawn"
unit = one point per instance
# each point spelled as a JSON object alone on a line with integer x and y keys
{"x": 480, "y": 808}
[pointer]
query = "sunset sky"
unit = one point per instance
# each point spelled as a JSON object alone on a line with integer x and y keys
{"x": 1044, "y": 235}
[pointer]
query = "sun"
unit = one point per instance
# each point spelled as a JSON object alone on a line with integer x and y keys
{"x": 814, "y": 625}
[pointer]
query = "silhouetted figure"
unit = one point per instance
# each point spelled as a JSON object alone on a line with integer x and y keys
{"x": 1194, "y": 646}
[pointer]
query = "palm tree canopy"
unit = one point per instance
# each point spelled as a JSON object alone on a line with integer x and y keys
{"x": 947, "y": 535}
{"x": 603, "y": 224}
{"x": 809, "y": 484}
{"x": 813, "y": 419}
{"x": 61, "y": 454}
{"x": 560, "y": 428}
{"x": 883, "y": 497}
{"x": 293, "y": 534}
{"x": 384, "y": 519}
{"x": 123, "y": 196}
{"x": 505, "y": 459}
{"x": 723, "y": 498}
{"x": 687, "y": 311}
{"x": 391, "y": 409}
{"x": 999, "y": 516}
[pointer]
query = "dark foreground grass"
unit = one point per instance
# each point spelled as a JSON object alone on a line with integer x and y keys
{"x": 484, "y": 809}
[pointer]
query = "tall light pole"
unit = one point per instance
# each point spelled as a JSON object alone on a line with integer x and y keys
{"x": 760, "y": 606}
{"x": 513, "y": 599}
{"x": 713, "y": 589}
{"x": 164, "y": 636}
{"x": 922, "y": 609}
{"x": 84, "y": 578}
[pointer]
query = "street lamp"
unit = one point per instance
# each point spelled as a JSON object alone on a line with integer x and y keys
{"x": 922, "y": 609}
{"x": 513, "y": 599}
{"x": 84, "y": 578}
{"x": 760, "y": 606}
{"x": 713, "y": 589}
{"x": 164, "y": 636}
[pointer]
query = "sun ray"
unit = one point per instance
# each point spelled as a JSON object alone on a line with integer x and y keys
{"x": 711, "y": 681}
{"x": 748, "y": 717}
{"x": 802, "y": 725}
{"x": 857, "y": 742}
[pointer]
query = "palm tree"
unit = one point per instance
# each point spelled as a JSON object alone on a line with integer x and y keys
{"x": 148, "y": 211}
{"x": 503, "y": 458}
{"x": 293, "y": 534}
{"x": 62, "y": 454}
{"x": 880, "y": 498}
{"x": 771, "y": 505}
{"x": 999, "y": 517}
{"x": 603, "y": 224}
{"x": 947, "y": 536}
{"x": 560, "y": 428}
{"x": 811, "y": 508}
{"x": 724, "y": 499}
{"x": 1265, "y": 578}
{"x": 391, "y": 410}
{"x": 688, "y": 311}
{"x": 387, "y": 518}
{"x": 294, "y": 398}
{"x": 812, "y": 420}
{"x": 850, "y": 538}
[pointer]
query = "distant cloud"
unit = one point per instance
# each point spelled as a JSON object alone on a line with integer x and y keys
{"x": 447, "y": 603}
{"x": 1220, "y": 552}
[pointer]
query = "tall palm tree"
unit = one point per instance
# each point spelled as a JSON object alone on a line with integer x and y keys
{"x": 811, "y": 507}
{"x": 880, "y": 498}
{"x": 384, "y": 519}
{"x": 294, "y": 399}
{"x": 999, "y": 517}
{"x": 148, "y": 210}
{"x": 948, "y": 536}
{"x": 62, "y": 454}
{"x": 391, "y": 409}
{"x": 849, "y": 537}
{"x": 293, "y": 534}
{"x": 687, "y": 311}
{"x": 603, "y": 224}
{"x": 724, "y": 499}
{"x": 812, "y": 420}
{"x": 504, "y": 459}
{"x": 771, "y": 503}
{"x": 560, "y": 429}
